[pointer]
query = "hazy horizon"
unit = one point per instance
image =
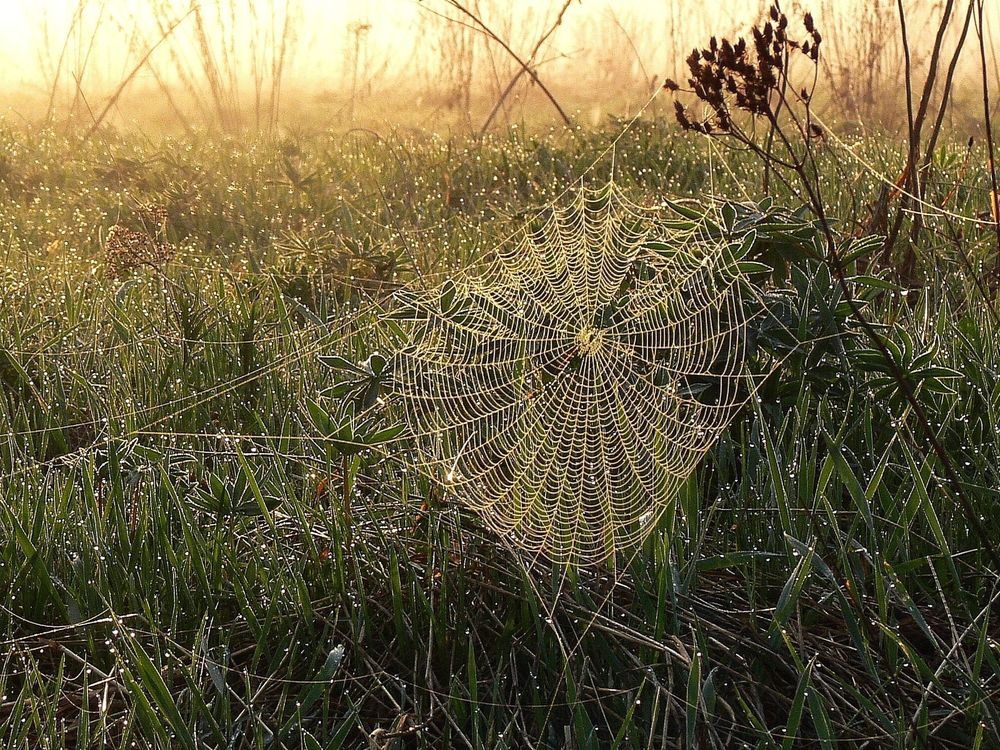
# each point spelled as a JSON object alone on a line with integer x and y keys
{"x": 214, "y": 55}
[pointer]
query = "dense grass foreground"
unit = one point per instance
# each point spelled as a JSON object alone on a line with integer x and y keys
{"x": 188, "y": 560}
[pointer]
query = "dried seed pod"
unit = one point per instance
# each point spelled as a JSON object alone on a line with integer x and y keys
{"x": 126, "y": 250}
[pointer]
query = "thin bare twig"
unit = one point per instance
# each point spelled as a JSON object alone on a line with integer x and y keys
{"x": 128, "y": 79}
{"x": 912, "y": 183}
{"x": 481, "y": 26}
{"x": 520, "y": 73}
{"x": 988, "y": 125}
{"x": 62, "y": 56}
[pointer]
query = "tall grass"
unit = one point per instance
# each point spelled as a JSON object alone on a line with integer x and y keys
{"x": 186, "y": 560}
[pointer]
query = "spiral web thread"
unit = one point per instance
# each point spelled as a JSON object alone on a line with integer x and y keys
{"x": 568, "y": 390}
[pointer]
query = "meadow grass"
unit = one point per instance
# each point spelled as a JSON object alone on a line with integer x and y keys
{"x": 187, "y": 561}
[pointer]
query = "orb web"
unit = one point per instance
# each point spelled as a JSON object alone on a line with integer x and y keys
{"x": 567, "y": 390}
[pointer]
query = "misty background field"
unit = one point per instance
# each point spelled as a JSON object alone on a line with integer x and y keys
{"x": 236, "y": 64}
{"x": 215, "y": 528}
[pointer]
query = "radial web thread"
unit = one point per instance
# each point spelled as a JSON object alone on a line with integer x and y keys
{"x": 566, "y": 391}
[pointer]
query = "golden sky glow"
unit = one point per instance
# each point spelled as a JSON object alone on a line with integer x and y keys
{"x": 603, "y": 47}
{"x": 33, "y": 31}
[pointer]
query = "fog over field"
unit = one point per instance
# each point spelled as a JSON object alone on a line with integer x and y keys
{"x": 240, "y": 62}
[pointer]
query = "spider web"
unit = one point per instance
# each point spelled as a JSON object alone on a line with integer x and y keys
{"x": 566, "y": 391}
